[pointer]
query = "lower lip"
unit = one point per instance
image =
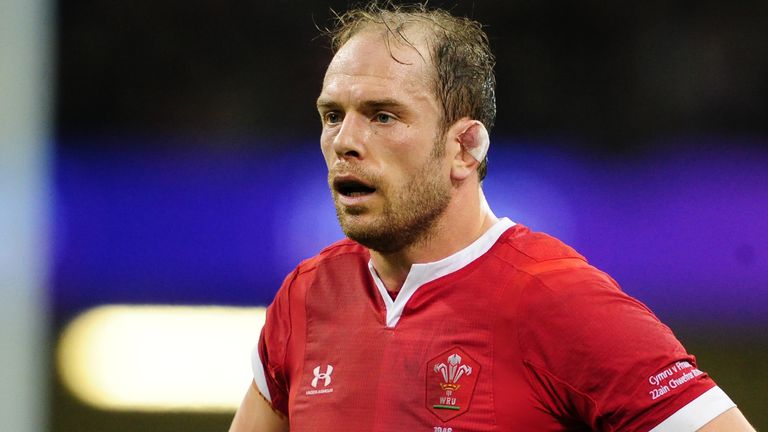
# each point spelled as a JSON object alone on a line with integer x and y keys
{"x": 355, "y": 200}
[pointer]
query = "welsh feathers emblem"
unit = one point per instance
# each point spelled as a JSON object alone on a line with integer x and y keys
{"x": 451, "y": 378}
{"x": 452, "y": 373}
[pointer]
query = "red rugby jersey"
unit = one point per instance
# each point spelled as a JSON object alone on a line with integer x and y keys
{"x": 517, "y": 332}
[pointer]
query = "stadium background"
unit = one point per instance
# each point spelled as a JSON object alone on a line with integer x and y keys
{"x": 185, "y": 167}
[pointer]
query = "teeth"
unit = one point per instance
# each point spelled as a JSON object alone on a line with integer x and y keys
{"x": 355, "y": 193}
{"x": 354, "y": 189}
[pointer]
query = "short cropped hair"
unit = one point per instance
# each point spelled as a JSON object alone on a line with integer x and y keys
{"x": 464, "y": 80}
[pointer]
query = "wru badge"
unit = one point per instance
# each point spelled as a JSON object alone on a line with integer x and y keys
{"x": 451, "y": 379}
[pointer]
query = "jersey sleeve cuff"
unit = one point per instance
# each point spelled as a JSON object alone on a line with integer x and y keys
{"x": 258, "y": 374}
{"x": 697, "y": 413}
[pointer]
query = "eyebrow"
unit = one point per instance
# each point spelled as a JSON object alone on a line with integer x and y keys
{"x": 373, "y": 104}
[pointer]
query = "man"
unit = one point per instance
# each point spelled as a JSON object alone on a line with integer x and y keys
{"x": 436, "y": 315}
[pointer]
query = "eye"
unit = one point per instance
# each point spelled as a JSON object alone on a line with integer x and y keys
{"x": 332, "y": 117}
{"x": 383, "y": 118}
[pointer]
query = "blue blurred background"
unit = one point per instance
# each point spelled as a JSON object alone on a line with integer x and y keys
{"x": 186, "y": 168}
{"x": 684, "y": 229}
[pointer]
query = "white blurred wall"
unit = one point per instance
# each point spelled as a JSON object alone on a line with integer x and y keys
{"x": 26, "y": 79}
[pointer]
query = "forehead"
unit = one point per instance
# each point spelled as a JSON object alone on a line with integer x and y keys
{"x": 374, "y": 60}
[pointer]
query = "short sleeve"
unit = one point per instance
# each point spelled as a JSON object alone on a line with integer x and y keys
{"x": 598, "y": 357}
{"x": 269, "y": 355}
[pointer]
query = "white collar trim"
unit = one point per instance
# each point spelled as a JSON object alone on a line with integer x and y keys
{"x": 421, "y": 274}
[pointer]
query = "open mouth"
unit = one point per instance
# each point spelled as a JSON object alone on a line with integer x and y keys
{"x": 352, "y": 187}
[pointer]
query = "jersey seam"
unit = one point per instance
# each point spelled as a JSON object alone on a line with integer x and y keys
{"x": 338, "y": 244}
{"x": 522, "y": 352}
{"x": 564, "y": 383}
{"x": 608, "y": 283}
{"x": 290, "y": 318}
{"x": 494, "y": 329}
{"x": 536, "y": 276}
{"x": 313, "y": 264}
{"x": 287, "y": 344}
{"x": 543, "y": 369}
{"x": 574, "y": 255}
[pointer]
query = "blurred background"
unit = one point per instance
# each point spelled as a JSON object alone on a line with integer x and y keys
{"x": 161, "y": 174}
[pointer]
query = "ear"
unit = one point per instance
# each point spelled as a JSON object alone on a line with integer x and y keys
{"x": 473, "y": 142}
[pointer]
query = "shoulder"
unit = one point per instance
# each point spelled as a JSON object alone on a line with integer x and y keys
{"x": 536, "y": 246}
{"x": 546, "y": 266}
{"x": 587, "y": 344}
{"x": 562, "y": 291}
{"x": 568, "y": 306}
{"x": 344, "y": 253}
{"x": 286, "y": 312}
{"x": 344, "y": 249}
{"x": 552, "y": 288}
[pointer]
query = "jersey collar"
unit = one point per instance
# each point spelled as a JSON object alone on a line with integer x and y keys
{"x": 421, "y": 274}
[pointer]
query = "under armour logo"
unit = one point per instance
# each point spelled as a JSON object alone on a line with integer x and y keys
{"x": 325, "y": 376}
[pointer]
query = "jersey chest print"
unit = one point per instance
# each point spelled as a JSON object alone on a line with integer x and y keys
{"x": 451, "y": 379}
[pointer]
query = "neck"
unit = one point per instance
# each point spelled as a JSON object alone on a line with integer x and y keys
{"x": 456, "y": 229}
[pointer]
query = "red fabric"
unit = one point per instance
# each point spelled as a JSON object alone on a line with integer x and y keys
{"x": 543, "y": 341}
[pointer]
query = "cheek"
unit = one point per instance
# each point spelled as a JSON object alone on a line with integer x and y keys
{"x": 326, "y": 147}
{"x": 400, "y": 174}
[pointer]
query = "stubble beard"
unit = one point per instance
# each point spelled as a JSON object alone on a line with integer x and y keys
{"x": 409, "y": 214}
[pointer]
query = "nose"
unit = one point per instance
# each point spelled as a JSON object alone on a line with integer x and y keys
{"x": 349, "y": 142}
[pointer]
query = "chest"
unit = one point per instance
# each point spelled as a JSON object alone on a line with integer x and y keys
{"x": 433, "y": 371}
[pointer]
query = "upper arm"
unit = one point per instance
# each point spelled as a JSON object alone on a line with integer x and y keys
{"x": 257, "y": 415}
{"x": 601, "y": 357}
{"x": 730, "y": 421}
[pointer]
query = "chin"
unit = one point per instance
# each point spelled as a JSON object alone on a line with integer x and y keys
{"x": 355, "y": 228}
{"x": 371, "y": 235}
